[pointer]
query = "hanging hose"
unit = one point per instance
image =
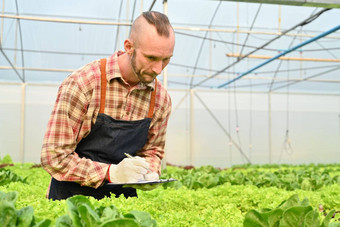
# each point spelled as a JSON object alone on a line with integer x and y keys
{"x": 287, "y": 145}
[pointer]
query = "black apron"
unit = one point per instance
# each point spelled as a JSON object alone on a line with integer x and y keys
{"x": 107, "y": 142}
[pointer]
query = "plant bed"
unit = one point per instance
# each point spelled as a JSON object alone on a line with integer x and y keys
{"x": 224, "y": 204}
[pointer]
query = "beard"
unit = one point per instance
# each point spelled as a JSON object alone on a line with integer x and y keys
{"x": 138, "y": 72}
{"x": 133, "y": 64}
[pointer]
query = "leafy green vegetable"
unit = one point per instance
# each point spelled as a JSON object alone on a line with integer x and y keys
{"x": 10, "y": 216}
{"x": 123, "y": 222}
{"x": 143, "y": 218}
{"x": 255, "y": 218}
{"x": 81, "y": 212}
{"x": 63, "y": 221}
{"x": 25, "y": 216}
{"x": 289, "y": 213}
{"x": 7, "y": 176}
{"x": 6, "y": 160}
{"x": 295, "y": 216}
{"x": 107, "y": 213}
{"x": 10, "y": 197}
{"x": 289, "y": 179}
{"x": 225, "y": 204}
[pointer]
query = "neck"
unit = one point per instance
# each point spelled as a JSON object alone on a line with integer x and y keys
{"x": 126, "y": 70}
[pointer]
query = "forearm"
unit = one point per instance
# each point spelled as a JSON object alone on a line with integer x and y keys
{"x": 70, "y": 120}
{"x": 65, "y": 166}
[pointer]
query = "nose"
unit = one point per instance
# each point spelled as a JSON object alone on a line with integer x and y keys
{"x": 157, "y": 67}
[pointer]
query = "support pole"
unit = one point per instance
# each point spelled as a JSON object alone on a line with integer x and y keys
{"x": 192, "y": 122}
{"x": 22, "y": 122}
{"x": 2, "y": 23}
{"x": 282, "y": 54}
{"x": 270, "y": 126}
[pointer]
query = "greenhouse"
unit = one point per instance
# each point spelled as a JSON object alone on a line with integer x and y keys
{"x": 252, "y": 138}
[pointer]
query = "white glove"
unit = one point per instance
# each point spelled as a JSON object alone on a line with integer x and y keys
{"x": 129, "y": 170}
{"x": 151, "y": 176}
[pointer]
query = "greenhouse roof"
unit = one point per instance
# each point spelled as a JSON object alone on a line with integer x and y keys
{"x": 219, "y": 44}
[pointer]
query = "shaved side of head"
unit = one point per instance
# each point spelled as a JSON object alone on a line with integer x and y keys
{"x": 159, "y": 20}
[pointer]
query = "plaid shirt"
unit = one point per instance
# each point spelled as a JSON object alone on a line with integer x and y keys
{"x": 76, "y": 110}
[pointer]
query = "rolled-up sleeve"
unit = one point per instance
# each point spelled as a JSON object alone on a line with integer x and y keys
{"x": 67, "y": 125}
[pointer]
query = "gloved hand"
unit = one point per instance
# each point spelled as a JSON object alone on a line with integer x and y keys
{"x": 146, "y": 187}
{"x": 152, "y": 176}
{"x": 129, "y": 170}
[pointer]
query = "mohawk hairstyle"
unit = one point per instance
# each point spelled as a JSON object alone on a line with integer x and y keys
{"x": 160, "y": 21}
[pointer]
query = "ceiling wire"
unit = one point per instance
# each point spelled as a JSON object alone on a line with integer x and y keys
{"x": 203, "y": 41}
{"x": 251, "y": 28}
{"x": 280, "y": 62}
{"x": 221, "y": 41}
{"x": 295, "y": 48}
{"x": 304, "y": 22}
{"x": 171, "y": 63}
{"x": 8, "y": 60}
{"x": 133, "y": 12}
{"x": 132, "y": 15}
{"x": 307, "y": 78}
{"x": 21, "y": 43}
{"x": 235, "y": 100}
{"x": 152, "y": 4}
{"x": 325, "y": 49}
{"x": 117, "y": 33}
{"x": 295, "y": 69}
{"x": 11, "y": 64}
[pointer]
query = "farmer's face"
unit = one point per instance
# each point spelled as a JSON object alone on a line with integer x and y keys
{"x": 151, "y": 54}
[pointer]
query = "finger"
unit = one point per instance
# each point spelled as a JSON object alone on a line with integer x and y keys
{"x": 135, "y": 177}
{"x": 151, "y": 176}
{"x": 140, "y": 162}
{"x": 135, "y": 165}
{"x": 139, "y": 170}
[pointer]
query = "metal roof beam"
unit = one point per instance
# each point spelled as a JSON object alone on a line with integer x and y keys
{"x": 12, "y": 65}
{"x": 282, "y": 54}
{"x": 312, "y": 3}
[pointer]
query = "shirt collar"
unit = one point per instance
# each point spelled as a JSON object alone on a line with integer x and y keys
{"x": 113, "y": 72}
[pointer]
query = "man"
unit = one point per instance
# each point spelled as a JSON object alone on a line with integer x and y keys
{"x": 107, "y": 108}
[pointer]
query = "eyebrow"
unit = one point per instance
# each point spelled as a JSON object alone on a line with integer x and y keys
{"x": 154, "y": 56}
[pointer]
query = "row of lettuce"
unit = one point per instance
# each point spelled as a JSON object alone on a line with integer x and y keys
{"x": 208, "y": 177}
{"x": 306, "y": 177}
{"x": 81, "y": 212}
{"x": 194, "y": 199}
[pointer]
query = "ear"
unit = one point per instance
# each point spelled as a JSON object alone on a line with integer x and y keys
{"x": 128, "y": 46}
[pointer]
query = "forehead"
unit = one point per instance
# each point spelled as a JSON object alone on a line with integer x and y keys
{"x": 151, "y": 43}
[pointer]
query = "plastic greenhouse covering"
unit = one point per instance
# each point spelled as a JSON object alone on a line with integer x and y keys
{"x": 250, "y": 82}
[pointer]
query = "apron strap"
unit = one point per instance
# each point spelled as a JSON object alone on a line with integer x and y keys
{"x": 102, "y": 84}
{"x": 103, "y": 90}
